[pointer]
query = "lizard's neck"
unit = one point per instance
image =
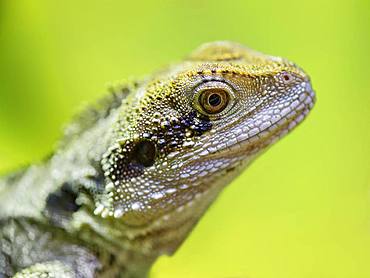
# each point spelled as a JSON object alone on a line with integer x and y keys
{"x": 136, "y": 248}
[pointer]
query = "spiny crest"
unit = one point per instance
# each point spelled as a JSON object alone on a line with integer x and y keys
{"x": 91, "y": 114}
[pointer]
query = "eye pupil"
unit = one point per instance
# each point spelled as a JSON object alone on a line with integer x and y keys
{"x": 214, "y": 100}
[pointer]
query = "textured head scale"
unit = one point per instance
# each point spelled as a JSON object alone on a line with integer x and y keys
{"x": 189, "y": 130}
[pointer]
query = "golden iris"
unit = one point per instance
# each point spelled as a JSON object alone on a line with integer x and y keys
{"x": 214, "y": 100}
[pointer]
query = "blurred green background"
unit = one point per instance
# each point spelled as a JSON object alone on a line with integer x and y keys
{"x": 302, "y": 210}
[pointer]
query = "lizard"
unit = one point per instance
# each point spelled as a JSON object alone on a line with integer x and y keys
{"x": 134, "y": 172}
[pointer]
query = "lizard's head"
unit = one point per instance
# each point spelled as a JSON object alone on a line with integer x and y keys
{"x": 189, "y": 130}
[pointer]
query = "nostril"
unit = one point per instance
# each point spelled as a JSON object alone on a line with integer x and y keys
{"x": 286, "y": 77}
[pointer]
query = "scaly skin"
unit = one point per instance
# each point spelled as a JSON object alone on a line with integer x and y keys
{"x": 133, "y": 175}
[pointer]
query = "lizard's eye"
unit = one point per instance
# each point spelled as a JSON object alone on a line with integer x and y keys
{"x": 213, "y": 97}
{"x": 214, "y": 100}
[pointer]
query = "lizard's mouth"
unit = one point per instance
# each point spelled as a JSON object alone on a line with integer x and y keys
{"x": 275, "y": 131}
